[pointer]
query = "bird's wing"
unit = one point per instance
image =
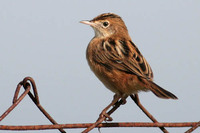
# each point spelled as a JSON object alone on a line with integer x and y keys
{"x": 124, "y": 56}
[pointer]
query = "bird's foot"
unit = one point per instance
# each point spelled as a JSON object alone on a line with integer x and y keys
{"x": 107, "y": 116}
{"x": 123, "y": 101}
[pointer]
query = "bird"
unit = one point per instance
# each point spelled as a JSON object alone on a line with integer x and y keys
{"x": 117, "y": 62}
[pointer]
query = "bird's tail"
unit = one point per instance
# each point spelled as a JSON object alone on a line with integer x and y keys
{"x": 160, "y": 92}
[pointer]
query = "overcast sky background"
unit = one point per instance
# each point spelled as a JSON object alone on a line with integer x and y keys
{"x": 44, "y": 40}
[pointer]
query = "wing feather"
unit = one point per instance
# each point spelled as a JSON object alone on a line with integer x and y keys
{"x": 124, "y": 56}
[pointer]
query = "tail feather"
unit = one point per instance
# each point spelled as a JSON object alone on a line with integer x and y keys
{"x": 160, "y": 92}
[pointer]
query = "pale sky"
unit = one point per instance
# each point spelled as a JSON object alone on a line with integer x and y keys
{"x": 44, "y": 40}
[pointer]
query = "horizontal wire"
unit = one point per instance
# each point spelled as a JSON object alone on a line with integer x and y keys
{"x": 26, "y": 84}
{"x": 86, "y": 125}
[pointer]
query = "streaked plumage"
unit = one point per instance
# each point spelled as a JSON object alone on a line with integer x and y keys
{"x": 116, "y": 60}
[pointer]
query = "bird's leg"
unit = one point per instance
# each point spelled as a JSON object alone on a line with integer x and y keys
{"x": 104, "y": 114}
{"x": 124, "y": 99}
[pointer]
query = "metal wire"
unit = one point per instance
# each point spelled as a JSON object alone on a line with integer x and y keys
{"x": 193, "y": 127}
{"x": 29, "y": 83}
{"x": 105, "y": 125}
{"x": 35, "y": 98}
{"x": 16, "y": 101}
{"x": 135, "y": 98}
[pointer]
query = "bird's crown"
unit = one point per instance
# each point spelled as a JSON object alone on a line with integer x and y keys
{"x": 106, "y": 16}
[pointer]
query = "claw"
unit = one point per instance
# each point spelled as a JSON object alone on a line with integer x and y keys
{"x": 107, "y": 117}
{"x": 124, "y": 101}
{"x": 104, "y": 114}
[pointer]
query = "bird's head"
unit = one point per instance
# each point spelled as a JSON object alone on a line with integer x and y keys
{"x": 107, "y": 24}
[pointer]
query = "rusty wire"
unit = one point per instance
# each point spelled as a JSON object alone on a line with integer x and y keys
{"x": 85, "y": 125}
{"x": 35, "y": 98}
{"x": 29, "y": 83}
{"x": 16, "y": 102}
{"x": 193, "y": 127}
{"x": 116, "y": 106}
{"x": 136, "y": 99}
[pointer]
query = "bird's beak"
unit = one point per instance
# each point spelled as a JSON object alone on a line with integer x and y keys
{"x": 88, "y": 23}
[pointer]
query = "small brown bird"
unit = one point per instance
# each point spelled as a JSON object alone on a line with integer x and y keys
{"x": 117, "y": 62}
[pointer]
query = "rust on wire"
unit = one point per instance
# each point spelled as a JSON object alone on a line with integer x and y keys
{"x": 15, "y": 101}
{"x": 136, "y": 99}
{"x": 193, "y": 127}
{"x": 85, "y": 125}
{"x": 35, "y": 98}
{"x": 99, "y": 121}
{"x": 29, "y": 83}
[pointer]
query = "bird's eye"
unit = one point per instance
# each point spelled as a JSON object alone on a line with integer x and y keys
{"x": 105, "y": 24}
